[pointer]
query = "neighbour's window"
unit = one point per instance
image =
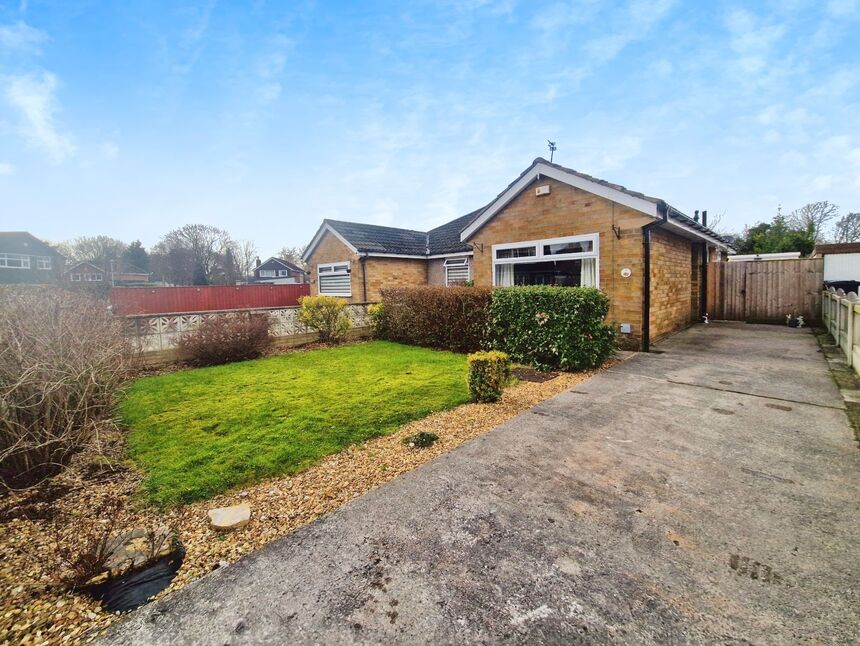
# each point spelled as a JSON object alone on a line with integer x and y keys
{"x": 456, "y": 271}
{"x": 43, "y": 262}
{"x": 267, "y": 273}
{"x": 334, "y": 279}
{"x": 14, "y": 261}
{"x": 93, "y": 278}
{"x": 282, "y": 272}
{"x": 571, "y": 262}
{"x": 75, "y": 278}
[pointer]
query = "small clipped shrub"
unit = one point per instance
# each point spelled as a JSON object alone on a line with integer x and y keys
{"x": 446, "y": 318}
{"x": 488, "y": 374}
{"x": 420, "y": 440}
{"x": 224, "y": 339}
{"x": 376, "y": 314}
{"x": 326, "y": 315}
{"x": 551, "y": 327}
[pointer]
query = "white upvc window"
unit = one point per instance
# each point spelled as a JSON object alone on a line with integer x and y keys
{"x": 14, "y": 261}
{"x": 334, "y": 279}
{"x": 267, "y": 273}
{"x": 457, "y": 271}
{"x": 44, "y": 262}
{"x": 93, "y": 278}
{"x": 572, "y": 261}
{"x": 75, "y": 278}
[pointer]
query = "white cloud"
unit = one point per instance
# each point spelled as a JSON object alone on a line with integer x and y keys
{"x": 110, "y": 150}
{"x": 636, "y": 23}
{"x": 6, "y": 168}
{"x": 21, "y": 37}
{"x": 34, "y": 98}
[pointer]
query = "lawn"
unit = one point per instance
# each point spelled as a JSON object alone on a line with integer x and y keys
{"x": 199, "y": 432}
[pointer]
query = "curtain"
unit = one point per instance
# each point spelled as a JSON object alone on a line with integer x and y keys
{"x": 504, "y": 275}
{"x": 589, "y": 272}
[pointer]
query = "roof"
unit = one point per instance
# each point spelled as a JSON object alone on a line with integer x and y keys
{"x": 281, "y": 261}
{"x": 121, "y": 268}
{"x": 836, "y": 248}
{"x": 453, "y": 236}
{"x": 23, "y": 242}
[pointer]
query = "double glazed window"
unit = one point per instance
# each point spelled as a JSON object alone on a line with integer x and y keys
{"x": 457, "y": 271}
{"x": 43, "y": 262}
{"x": 333, "y": 279}
{"x": 14, "y": 261}
{"x": 571, "y": 262}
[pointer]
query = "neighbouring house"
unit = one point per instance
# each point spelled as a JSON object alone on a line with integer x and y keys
{"x": 551, "y": 225}
{"x": 277, "y": 271}
{"x": 26, "y": 259}
{"x": 116, "y": 273}
{"x": 841, "y": 264}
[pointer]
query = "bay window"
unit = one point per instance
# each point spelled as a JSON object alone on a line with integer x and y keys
{"x": 570, "y": 262}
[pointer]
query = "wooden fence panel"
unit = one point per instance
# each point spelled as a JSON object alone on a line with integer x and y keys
{"x": 168, "y": 300}
{"x": 764, "y": 291}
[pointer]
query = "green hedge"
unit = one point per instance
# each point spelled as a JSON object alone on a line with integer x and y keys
{"x": 489, "y": 372}
{"x": 551, "y": 327}
{"x": 449, "y": 318}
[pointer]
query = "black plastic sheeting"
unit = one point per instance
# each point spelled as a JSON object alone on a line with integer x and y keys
{"x": 134, "y": 589}
{"x": 845, "y": 285}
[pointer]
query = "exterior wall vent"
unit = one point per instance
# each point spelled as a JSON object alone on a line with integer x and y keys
{"x": 542, "y": 190}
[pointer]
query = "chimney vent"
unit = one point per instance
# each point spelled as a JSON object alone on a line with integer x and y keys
{"x": 696, "y": 216}
{"x": 704, "y": 218}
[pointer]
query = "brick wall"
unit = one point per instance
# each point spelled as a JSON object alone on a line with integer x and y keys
{"x": 330, "y": 249}
{"x": 671, "y": 290}
{"x": 569, "y": 211}
{"x": 436, "y": 272}
{"x": 393, "y": 272}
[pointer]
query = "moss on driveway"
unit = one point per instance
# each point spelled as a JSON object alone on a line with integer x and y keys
{"x": 199, "y": 432}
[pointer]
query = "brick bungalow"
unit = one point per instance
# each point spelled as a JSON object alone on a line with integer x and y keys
{"x": 552, "y": 225}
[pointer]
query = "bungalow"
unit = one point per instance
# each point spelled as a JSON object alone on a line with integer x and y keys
{"x": 552, "y": 225}
{"x": 115, "y": 273}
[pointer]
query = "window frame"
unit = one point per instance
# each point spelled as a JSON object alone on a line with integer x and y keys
{"x": 24, "y": 259}
{"x": 458, "y": 261}
{"x": 43, "y": 263}
{"x": 594, "y": 238}
{"x": 331, "y": 271}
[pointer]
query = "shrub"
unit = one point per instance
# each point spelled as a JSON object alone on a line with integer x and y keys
{"x": 326, "y": 315}
{"x": 420, "y": 440}
{"x": 226, "y": 338}
{"x": 376, "y": 314}
{"x": 488, "y": 374}
{"x": 63, "y": 358}
{"x": 551, "y": 327}
{"x": 448, "y": 318}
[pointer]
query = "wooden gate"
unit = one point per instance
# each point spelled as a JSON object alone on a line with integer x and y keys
{"x": 764, "y": 291}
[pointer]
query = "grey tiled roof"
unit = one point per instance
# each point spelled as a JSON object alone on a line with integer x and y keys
{"x": 24, "y": 243}
{"x": 372, "y": 238}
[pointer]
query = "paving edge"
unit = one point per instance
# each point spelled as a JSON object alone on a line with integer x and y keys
{"x": 846, "y": 379}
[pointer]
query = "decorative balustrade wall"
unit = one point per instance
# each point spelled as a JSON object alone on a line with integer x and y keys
{"x": 157, "y": 335}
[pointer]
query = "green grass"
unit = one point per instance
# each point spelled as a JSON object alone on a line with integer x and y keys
{"x": 199, "y": 432}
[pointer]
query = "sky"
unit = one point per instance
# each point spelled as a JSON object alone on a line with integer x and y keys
{"x": 131, "y": 118}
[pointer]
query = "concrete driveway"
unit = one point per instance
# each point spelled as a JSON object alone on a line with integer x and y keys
{"x": 708, "y": 493}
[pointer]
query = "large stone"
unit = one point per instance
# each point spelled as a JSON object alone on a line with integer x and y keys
{"x": 136, "y": 548}
{"x": 227, "y": 518}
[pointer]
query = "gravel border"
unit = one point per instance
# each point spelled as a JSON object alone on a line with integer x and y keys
{"x": 34, "y": 611}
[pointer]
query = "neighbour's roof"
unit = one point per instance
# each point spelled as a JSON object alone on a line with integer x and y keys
{"x": 285, "y": 263}
{"x": 448, "y": 238}
{"x": 24, "y": 243}
{"x": 834, "y": 248}
{"x": 121, "y": 268}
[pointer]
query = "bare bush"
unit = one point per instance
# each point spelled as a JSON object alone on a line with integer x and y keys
{"x": 226, "y": 338}
{"x": 63, "y": 357}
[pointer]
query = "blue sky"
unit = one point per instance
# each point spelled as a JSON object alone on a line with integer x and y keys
{"x": 129, "y": 119}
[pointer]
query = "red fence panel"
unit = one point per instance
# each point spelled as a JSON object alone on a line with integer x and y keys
{"x": 166, "y": 300}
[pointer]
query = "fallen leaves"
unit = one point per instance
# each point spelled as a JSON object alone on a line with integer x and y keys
{"x": 33, "y": 610}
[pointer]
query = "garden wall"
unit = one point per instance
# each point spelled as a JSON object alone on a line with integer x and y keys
{"x": 158, "y": 334}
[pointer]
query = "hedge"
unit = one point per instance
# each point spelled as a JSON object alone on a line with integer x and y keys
{"x": 551, "y": 327}
{"x": 489, "y": 372}
{"x": 448, "y": 318}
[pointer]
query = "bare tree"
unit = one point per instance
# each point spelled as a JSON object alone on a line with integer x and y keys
{"x": 96, "y": 249}
{"x": 206, "y": 244}
{"x": 813, "y": 218}
{"x": 848, "y": 228}
{"x": 294, "y": 255}
{"x": 245, "y": 254}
